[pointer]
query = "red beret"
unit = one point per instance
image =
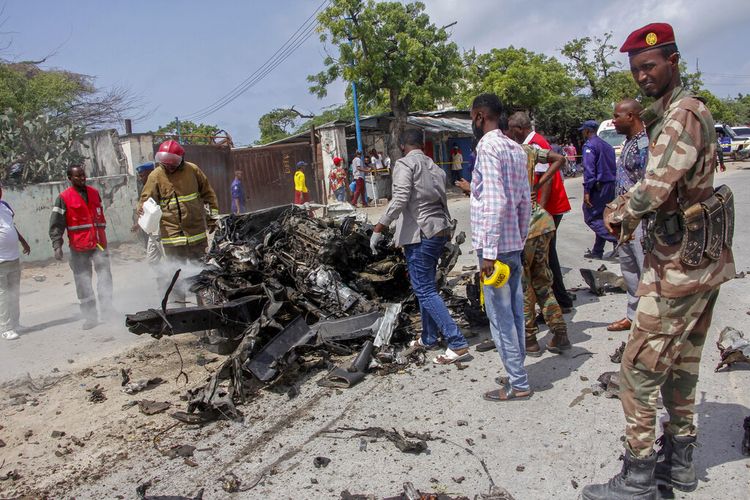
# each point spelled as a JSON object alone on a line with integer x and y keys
{"x": 650, "y": 36}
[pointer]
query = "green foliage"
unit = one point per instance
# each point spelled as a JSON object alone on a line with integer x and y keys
{"x": 276, "y": 124}
{"x": 190, "y": 132}
{"x": 521, "y": 78}
{"x": 590, "y": 61}
{"x": 27, "y": 89}
{"x": 42, "y": 145}
{"x": 731, "y": 111}
{"x": 391, "y": 48}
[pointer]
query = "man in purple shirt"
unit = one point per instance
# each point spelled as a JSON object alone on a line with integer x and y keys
{"x": 238, "y": 193}
{"x": 599, "y": 174}
{"x": 500, "y": 213}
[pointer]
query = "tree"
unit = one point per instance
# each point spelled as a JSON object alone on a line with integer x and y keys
{"x": 277, "y": 124}
{"x": 190, "y": 132}
{"x": 41, "y": 145}
{"x": 591, "y": 61}
{"x": 46, "y": 114}
{"x": 71, "y": 98}
{"x": 390, "y": 48}
{"x": 521, "y": 78}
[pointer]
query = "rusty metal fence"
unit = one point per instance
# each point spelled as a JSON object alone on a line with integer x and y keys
{"x": 268, "y": 172}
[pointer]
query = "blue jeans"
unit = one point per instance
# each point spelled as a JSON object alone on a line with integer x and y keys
{"x": 504, "y": 307}
{"x": 421, "y": 260}
{"x": 340, "y": 193}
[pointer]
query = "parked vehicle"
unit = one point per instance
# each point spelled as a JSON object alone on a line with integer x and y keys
{"x": 731, "y": 142}
{"x": 608, "y": 133}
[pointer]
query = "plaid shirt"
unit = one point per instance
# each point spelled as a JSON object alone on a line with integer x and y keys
{"x": 500, "y": 196}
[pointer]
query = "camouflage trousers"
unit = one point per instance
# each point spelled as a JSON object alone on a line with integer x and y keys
{"x": 663, "y": 352}
{"x": 537, "y": 286}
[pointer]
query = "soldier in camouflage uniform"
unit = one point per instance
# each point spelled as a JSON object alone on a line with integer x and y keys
{"x": 537, "y": 275}
{"x": 688, "y": 256}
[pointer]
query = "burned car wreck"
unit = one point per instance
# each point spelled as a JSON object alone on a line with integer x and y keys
{"x": 283, "y": 292}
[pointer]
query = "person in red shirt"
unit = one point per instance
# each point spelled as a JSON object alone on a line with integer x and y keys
{"x": 555, "y": 201}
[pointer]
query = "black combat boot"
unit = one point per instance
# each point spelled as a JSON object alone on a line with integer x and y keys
{"x": 674, "y": 463}
{"x": 635, "y": 481}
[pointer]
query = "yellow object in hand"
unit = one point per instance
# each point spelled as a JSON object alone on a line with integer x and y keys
{"x": 499, "y": 276}
{"x": 100, "y": 247}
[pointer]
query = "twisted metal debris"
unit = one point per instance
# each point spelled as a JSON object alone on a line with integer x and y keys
{"x": 283, "y": 292}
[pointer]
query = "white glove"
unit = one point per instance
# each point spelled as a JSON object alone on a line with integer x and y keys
{"x": 374, "y": 240}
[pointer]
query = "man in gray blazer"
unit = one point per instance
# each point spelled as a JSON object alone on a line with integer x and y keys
{"x": 422, "y": 229}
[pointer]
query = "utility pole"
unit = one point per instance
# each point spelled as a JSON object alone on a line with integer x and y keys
{"x": 357, "y": 128}
{"x": 179, "y": 136}
{"x": 356, "y": 118}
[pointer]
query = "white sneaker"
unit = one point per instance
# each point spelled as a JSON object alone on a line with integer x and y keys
{"x": 10, "y": 335}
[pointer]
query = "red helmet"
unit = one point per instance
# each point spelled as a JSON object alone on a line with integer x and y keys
{"x": 170, "y": 153}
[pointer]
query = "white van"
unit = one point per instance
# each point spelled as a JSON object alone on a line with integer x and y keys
{"x": 609, "y": 134}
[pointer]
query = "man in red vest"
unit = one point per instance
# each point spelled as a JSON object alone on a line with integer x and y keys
{"x": 79, "y": 210}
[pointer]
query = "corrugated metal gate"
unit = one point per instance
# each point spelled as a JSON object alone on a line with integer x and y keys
{"x": 268, "y": 172}
{"x": 215, "y": 163}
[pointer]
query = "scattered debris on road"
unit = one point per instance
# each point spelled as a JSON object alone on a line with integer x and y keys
{"x": 141, "y": 385}
{"x": 149, "y": 407}
{"x": 734, "y": 348}
{"x": 141, "y": 492}
{"x": 616, "y": 357}
{"x": 416, "y": 446}
{"x": 96, "y": 394}
{"x": 602, "y": 281}
{"x": 608, "y": 385}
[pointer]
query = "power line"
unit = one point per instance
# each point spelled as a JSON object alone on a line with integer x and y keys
{"x": 265, "y": 71}
{"x": 726, "y": 75}
{"x": 301, "y": 35}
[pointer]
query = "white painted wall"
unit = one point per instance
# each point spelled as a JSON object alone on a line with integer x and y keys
{"x": 333, "y": 143}
{"x": 103, "y": 153}
{"x": 33, "y": 206}
{"x": 138, "y": 149}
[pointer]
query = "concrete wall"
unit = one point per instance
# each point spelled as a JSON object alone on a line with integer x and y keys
{"x": 33, "y": 206}
{"x": 103, "y": 153}
{"x": 138, "y": 149}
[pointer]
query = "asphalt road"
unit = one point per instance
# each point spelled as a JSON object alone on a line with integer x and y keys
{"x": 547, "y": 447}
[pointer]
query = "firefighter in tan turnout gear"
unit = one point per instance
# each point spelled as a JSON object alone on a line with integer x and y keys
{"x": 687, "y": 244}
{"x": 182, "y": 190}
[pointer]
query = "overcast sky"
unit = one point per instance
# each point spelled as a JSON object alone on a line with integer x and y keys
{"x": 182, "y": 56}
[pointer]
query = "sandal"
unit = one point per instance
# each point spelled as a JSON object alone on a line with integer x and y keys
{"x": 418, "y": 343}
{"x": 450, "y": 356}
{"x": 499, "y": 395}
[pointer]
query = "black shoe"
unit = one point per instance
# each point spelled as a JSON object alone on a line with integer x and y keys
{"x": 674, "y": 465}
{"x": 486, "y": 345}
{"x": 591, "y": 255}
{"x": 540, "y": 319}
{"x": 634, "y": 482}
